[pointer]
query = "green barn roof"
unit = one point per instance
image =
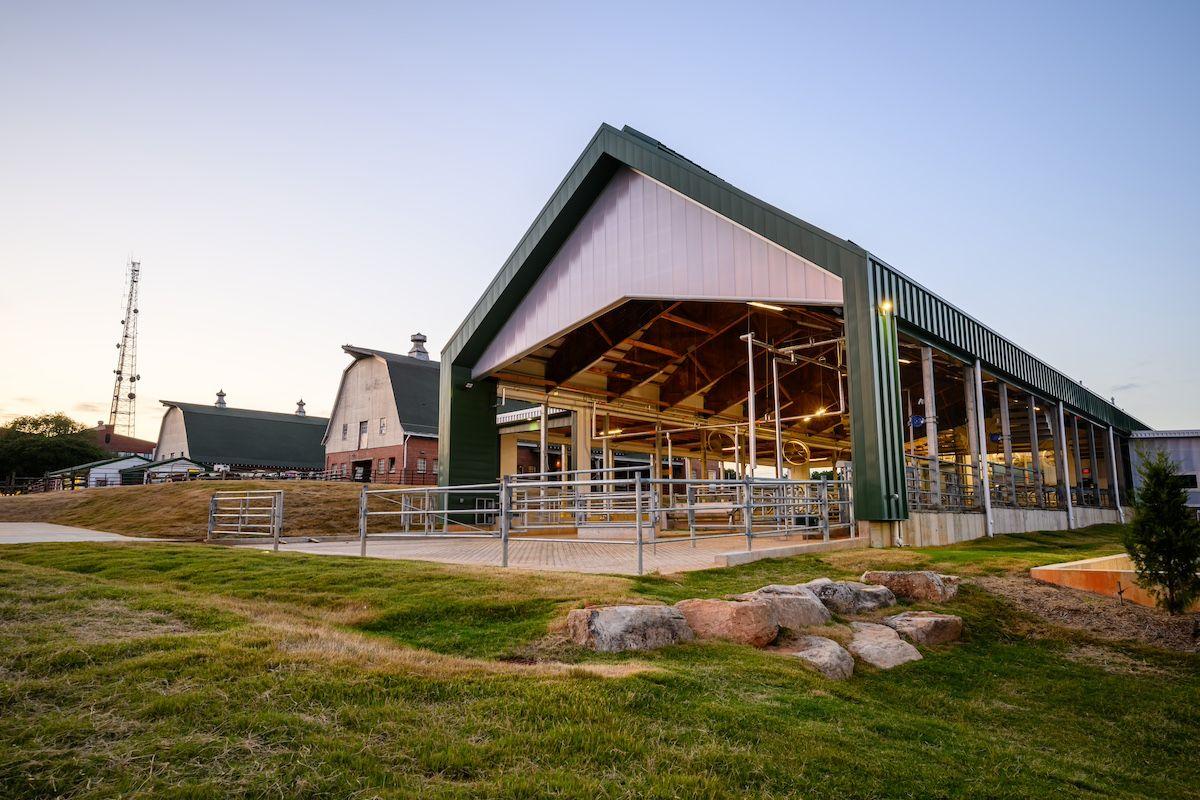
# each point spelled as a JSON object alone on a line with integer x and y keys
{"x": 247, "y": 438}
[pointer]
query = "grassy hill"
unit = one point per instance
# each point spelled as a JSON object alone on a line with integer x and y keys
{"x": 180, "y": 670}
{"x": 180, "y": 510}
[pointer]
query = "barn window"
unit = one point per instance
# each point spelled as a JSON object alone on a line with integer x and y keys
{"x": 345, "y": 430}
{"x": 362, "y": 434}
{"x": 382, "y": 426}
{"x": 380, "y": 468}
{"x": 421, "y": 463}
{"x": 392, "y": 464}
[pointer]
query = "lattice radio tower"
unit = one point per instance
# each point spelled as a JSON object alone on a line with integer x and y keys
{"x": 122, "y": 417}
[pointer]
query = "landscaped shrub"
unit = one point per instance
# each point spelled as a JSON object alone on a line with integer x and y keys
{"x": 1164, "y": 539}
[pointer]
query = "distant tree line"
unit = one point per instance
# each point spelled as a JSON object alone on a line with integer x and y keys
{"x": 31, "y": 446}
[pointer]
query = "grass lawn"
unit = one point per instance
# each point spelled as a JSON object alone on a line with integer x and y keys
{"x": 175, "y": 670}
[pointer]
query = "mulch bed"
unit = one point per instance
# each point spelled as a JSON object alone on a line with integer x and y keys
{"x": 1106, "y": 617}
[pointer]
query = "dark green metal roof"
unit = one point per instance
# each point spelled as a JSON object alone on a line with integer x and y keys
{"x": 159, "y": 463}
{"x": 414, "y": 386}
{"x": 920, "y": 312}
{"x": 247, "y": 438}
{"x": 93, "y": 464}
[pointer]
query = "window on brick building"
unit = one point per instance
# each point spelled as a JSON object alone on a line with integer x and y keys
{"x": 392, "y": 464}
{"x": 421, "y": 464}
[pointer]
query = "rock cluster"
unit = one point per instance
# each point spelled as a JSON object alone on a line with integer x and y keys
{"x": 880, "y": 646}
{"x": 757, "y": 618}
{"x": 613, "y": 629}
{"x": 926, "y": 627}
{"x": 825, "y": 656}
{"x": 752, "y": 622}
{"x": 916, "y": 585}
{"x": 851, "y": 597}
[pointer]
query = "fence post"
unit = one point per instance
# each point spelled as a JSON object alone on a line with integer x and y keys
{"x": 691, "y": 512}
{"x": 637, "y": 513}
{"x": 212, "y": 510}
{"x": 748, "y": 513}
{"x": 505, "y": 504}
{"x": 362, "y": 522}
{"x": 277, "y": 519}
{"x": 825, "y": 508}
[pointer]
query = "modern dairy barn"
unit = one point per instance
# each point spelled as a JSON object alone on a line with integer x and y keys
{"x": 773, "y": 378}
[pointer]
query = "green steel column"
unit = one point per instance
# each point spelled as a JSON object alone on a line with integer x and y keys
{"x": 468, "y": 440}
{"x": 876, "y": 426}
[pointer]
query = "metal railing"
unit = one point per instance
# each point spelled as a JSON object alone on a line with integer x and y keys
{"x": 944, "y": 485}
{"x": 605, "y": 507}
{"x": 252, "y": 515}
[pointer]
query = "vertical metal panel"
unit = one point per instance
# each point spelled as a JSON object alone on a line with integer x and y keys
{"x": 682, "y": 251}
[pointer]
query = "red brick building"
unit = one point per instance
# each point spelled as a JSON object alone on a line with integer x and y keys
{"x": 121, "y": 445}
{"x": 384, "y": 424}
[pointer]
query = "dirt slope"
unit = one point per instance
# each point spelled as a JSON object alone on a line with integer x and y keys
{"x": 180, "y": 510}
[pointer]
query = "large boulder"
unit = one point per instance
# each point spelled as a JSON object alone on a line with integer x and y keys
{"x": 880, "y": 646}
{"x": 796, "y": 607}
{"x": 851, "y": 597}
{"x": 915, "y": 585}
{"x": 612, "y": 629}
{"x": 825, "y": 656}
{"x": 926, "y": 627}
{"x": 752, "y": 622}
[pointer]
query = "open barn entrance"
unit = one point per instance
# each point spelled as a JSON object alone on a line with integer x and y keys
{"x": 667, "y": 385}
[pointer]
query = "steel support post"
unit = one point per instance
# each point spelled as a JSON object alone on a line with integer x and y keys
{"x": 825, "y": 509}
{"x": 362, "y": 522}
{"x": 1114, "y": 481}
{"x": 637, "y": 514}
{"x": 1092, "y": 463}
{"x": 543, "y": 442}
{"x": 1065, "y": 479}
{"x": 1006, "y": 436}
{"x": 1035, "y": 451}
{"x": 984, "y": 477}
{"x": 751, "y": 413}
{"x": 1078, "y": 456}
{"x": 778, "y": 419}
{"x": 505, "y": 522}
{"x": 931, "y": 422}
{"x": 748, "y": 513}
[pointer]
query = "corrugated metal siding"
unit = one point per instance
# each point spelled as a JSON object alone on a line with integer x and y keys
{"x": 944, "y": 325}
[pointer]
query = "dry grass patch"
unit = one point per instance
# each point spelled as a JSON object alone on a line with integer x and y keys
{"x": 180, "y": 510}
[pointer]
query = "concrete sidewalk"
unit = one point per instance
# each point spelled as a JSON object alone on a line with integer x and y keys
{"x": 47, "y": 532}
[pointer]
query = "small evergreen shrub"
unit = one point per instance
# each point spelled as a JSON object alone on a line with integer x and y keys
{"x": 1164, "y": 540}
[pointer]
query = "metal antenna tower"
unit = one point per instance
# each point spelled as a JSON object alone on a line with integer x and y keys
{"x": 122, "y": 417}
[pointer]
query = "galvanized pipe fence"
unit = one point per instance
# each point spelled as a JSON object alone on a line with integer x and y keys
{"x": 944, "y": 485}
{"x": 621, "y": 507}
{"x": 245, "y": 516}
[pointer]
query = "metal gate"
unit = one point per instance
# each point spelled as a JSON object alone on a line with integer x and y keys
{"x": 245, "y": 516}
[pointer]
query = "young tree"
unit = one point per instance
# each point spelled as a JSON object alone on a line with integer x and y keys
{"x": 1164, "y": 539}
{"x": 56, "y": 424}
{"x": 32, "y": 446}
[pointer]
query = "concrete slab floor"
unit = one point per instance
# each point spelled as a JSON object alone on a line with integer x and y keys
{"x": 48, "y": 532}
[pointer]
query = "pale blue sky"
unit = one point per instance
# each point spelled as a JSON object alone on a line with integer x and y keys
{"x": 298, "y": 176}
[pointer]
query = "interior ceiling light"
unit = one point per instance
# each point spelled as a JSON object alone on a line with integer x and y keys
{"x": 906, "y": 361}
{"x": 767, "y": 306}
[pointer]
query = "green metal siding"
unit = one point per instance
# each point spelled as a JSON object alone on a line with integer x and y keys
{"x": 876, "y": 423}
{"x": 935, "y": 321}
